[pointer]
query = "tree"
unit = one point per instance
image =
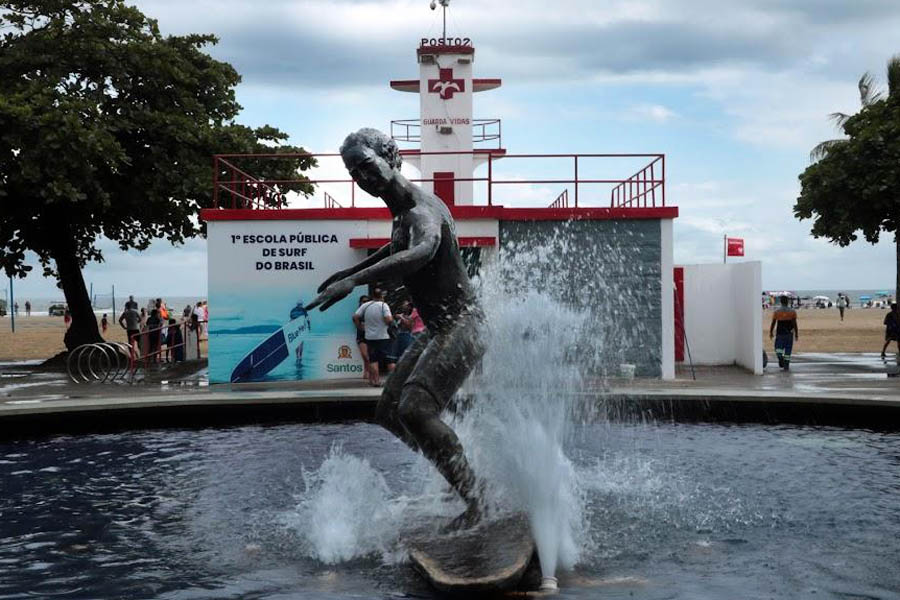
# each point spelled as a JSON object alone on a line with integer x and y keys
{"x": 107, "y": 128}
{"x": 854, "y": 184}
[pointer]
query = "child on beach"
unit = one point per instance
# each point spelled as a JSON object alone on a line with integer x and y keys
{"x": 104, "y": 323}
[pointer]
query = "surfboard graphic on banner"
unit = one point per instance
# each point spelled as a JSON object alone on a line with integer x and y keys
{"x": 260, "y": 275}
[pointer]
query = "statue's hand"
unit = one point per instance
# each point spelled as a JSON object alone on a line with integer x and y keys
{"x": 333, "y": 293}
{"x": 336, "y": 277}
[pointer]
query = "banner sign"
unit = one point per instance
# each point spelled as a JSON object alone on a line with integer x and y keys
{"x": 735, "y": 246}
{"x": 261, "y": 273}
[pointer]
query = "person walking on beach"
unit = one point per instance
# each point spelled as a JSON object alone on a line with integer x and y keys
{"x": 784, "y": 319}
{"x": 104, "y": 323}
{"x": 891, "y": 329}
{"x": 28, "y": 308}
{"x": 130, "y": 320}
{"x": 375, "y": 316}
{"x": 842, "y": 303}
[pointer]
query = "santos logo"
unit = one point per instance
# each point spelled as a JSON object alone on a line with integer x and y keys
{"x": 344, "y": 368}
{"x": 344, "y": 353}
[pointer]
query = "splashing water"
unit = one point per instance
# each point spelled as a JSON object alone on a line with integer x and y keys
{"x": 516, "y": 430}
{"x": 540, "y": 344}
{"x": 545, "y": 335}
{"x": 346, "y": 511}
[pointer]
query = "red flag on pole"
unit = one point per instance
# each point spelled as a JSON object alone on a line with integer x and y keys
{"x": 735, "y": 246}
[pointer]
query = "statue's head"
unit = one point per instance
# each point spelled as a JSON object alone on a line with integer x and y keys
{"x": 371, "y": 157}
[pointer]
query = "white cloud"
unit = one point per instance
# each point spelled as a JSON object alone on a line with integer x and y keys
{"x": 653, "y": 112}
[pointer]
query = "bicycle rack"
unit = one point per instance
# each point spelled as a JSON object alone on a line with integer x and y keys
{"x": 106, "y": 361}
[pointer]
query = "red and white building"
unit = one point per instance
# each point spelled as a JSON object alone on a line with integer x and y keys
{"x": 616, "y": 204}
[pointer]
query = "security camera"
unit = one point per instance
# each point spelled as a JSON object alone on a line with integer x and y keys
{"x": 433, "y": 5}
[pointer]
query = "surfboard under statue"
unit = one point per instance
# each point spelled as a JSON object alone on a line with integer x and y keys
{"x": 285, "y": 342}
{"x": 491, "y": 557}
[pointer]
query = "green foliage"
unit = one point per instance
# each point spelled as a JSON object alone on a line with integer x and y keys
{"x": 108, "y": 128}
{"x": 855, "y": 186}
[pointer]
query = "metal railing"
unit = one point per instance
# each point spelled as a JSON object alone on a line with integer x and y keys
{"x": 639, "y": 190}
{"x": 330, "y": 202}
{"x": 245, "y": 190}
{"x": 119, "y": 361}
{"x": 562, "y": 201}
{"x": 483, "y": 130}
{"x": 644, "y": 189}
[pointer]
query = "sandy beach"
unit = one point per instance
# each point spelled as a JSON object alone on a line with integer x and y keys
{"x": 821, "y": 330}
{"x": 41, "y": 337}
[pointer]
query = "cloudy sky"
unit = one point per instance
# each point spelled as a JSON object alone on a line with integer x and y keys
{"x": 734, "y": 92}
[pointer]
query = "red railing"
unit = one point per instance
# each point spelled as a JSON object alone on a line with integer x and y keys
{"x": 330, "y": 202}
{"x": 639, "y": 190}
{"x": 562, "y": 201}
{"x": 245, "y": 190}
{"x": 483, "y": 130}
{"x": 144, "y": 353}
{"x": 644, "y": 189}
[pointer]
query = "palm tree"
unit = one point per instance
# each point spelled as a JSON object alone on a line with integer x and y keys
{"x": 868, "y": 95}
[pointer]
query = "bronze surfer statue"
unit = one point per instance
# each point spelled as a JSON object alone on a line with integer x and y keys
{"x": 424, "y": 253}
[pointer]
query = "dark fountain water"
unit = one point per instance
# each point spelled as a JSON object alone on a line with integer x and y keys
{"x": 689, "y": 511}
{"x": 618, "y": 509}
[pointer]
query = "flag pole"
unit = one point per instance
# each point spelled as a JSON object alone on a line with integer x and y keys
{"x": 725, "y": 249}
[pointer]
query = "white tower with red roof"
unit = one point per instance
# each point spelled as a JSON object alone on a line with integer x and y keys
{"x": 447, "y": 157}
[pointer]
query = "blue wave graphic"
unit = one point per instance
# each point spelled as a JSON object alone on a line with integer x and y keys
{"x": 251, "y": 329}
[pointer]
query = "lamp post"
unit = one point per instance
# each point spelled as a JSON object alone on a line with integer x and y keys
{"x": 11, "y": 307}
{"x": 444, "y": 4}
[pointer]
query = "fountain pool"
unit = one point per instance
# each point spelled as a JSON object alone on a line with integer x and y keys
{"x": 312, "y": 511}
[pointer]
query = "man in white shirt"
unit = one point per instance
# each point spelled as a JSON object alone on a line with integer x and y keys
{"x": 375, "y": 317}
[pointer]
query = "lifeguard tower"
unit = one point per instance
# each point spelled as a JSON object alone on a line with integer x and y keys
{"x": 452, "y": 143}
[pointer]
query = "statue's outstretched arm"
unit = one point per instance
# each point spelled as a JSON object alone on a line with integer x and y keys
{"x": 424, "y": 242}
{"x": 379, "y": 254}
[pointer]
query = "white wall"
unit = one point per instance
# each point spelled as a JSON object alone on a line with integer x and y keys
{"x": 747, "y": 289}
{"x": 723, "y": 314}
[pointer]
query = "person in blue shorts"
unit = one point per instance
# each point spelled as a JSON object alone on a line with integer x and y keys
{"x": 784, "y": 330}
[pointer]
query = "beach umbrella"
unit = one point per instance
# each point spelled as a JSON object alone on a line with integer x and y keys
{"x": 865, "y": 297}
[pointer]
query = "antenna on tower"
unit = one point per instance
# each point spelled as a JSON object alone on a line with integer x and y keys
{"x": 444, "y": 4}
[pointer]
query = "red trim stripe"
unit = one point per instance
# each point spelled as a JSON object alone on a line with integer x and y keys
{"x": 465, "y": 242}
{"x": 444, "y": 49}
{"x": 498, "y": 213}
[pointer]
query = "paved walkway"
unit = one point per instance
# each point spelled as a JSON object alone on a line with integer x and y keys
{"x": 841, "y": 380}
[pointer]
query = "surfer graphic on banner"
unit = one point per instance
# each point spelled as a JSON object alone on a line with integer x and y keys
{"x": 272, "y": 351}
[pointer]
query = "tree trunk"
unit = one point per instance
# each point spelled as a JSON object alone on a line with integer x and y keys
{"x": 897, "y": 291}
{"x": 83, "y": 329}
